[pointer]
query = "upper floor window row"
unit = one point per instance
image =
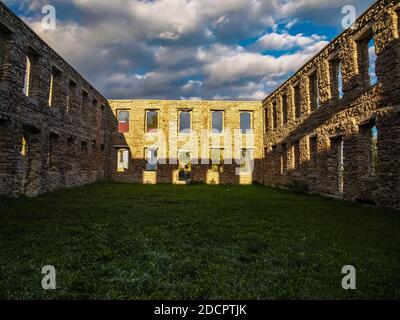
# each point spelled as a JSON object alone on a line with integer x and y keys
{"x": 184, "y": 121}
{"x": 280, "y": 112}
{"x": 31, "y": 84}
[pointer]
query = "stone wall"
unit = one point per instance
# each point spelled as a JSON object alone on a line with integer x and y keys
{"x": 310, "y": 148}
{"x": 41, "y": 134}
{"x": 137, "y": 140}
{"x": 57, "y": 131}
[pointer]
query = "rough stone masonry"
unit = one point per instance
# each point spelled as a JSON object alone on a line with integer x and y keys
{"x": 330, "y": 128}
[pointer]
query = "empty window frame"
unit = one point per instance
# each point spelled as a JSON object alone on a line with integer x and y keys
{"x": 84, "y": 146}
{"x": 185, "y": 166}
{"x": 54, "y": 88}
{"x": 284, "y": 108}
{"x": 152, "y": 121}
{"x": 297, "y": 154}
{"x": 283, "y": 158}
{"x": 398, "y": 20}
{"x": 314, "y": 91}
{"x": 122, "y": 159}
{"x": 245, "y": 122}
{"x": 275, "y": 114}
{"x": 340, "y": 80}
{"x": 24, "y": 146}
{"x": 5, "y": 35}
{"x": 372, "y": 62}
{"x": 374, "y": 163}
{"x": 217, "y": 159}
{"x": 71, "y": 96}
{"x": 71, "y": 154}
{"x": 151, "y": 159}
{"x": 28, "y": 74}
{"x": 313, "y": 145}
{"x": 51, "y": 90}
{"x": 266, "y": 117}
{"x": 217, "y": 122}
{"x": 246, "y": 161}
{"x": 95, "y": 103}
{"x": 336, "y": 78}
{"x": 94, "y": 147}
{"x": 297, "y": 101}
{"x": 85, "y": 100}
{"x": 291, "y": 157}
{"x": 185, "y": 121}
{"x": 123, "y": 121}
{"x": 367, "y": 59}
{"x": 52, "y": 156}
{"x": 340, "y": 162}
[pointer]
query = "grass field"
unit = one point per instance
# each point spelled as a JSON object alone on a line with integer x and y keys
{"x": 121, "y": 241}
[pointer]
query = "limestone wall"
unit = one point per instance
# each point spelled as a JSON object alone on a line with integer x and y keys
{"x": 45, "y": 145}
{"x": 136, "y": 140}
{"x": 346, "y": 119}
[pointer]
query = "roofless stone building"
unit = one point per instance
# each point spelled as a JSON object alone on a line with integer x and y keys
{"x": 334, "y": 126}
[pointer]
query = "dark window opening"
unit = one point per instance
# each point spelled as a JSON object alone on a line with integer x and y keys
{"x": 52, "y": 156}
{"x": 85, "y": 100}
{"x": 71, "y": 97}
{"x": 398, "y": 20}
{"x": 297, "y": 101}
{"x": 5, "y": 36}
{"x": 84, "y": 146}
{"x": 314, "y": 91}
{"x": 266, "y": 119}
{"x": 275, "y": 114}
{"x": 297, "y": 155}
{"x": 283, "y": 158}
{"x": 284, "y": 108}
{"x": 70, "y": 152}
{"x": 314, "y": 150}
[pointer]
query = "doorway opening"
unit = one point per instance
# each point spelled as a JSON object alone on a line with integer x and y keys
{"x": 185, "y": 166}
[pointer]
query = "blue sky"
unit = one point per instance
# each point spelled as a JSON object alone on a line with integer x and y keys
{"x": 188, "y": 49}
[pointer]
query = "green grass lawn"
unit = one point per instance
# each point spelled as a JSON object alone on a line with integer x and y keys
{"x": 121, "y": 241}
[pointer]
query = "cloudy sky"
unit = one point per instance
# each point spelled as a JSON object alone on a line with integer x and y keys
{"x": 188, "y": 49}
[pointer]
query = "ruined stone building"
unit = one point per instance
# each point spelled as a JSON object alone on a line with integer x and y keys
{"x": 334, "y": 126}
